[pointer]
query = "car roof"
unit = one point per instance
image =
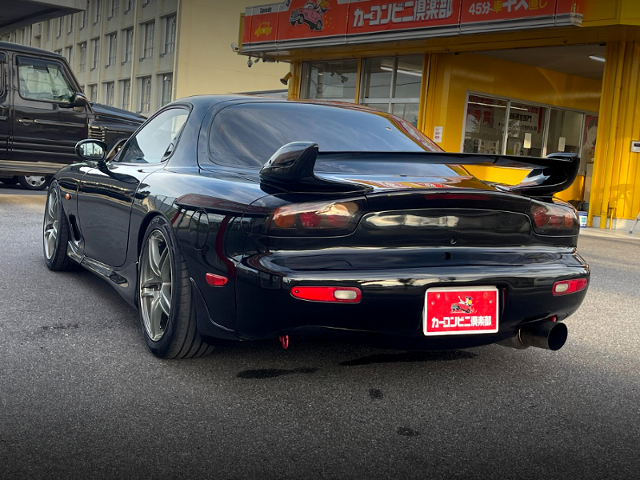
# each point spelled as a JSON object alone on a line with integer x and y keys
{"x": 203, "y": 100}
{"x": 16, "y": 47}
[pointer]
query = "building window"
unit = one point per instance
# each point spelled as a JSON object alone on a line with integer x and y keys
{"x": 392, "y": 85}
{"x": 128, "y": 45}
{"x": 83, "y": 19}
{"x": 70, "y": 25}
{"x": 93, "y": 93}
{"x": 114, "y": 5}
{"x": 484, "y": 125}
{"x": 59, "y": 31}
{"x": 97, "y": 13}
{"x": 125, "y": 88}
{"x": 109, "y": 93}
{"x": 170, "y": 34}
{"x": 147, "y": 39}
{"x": 166, "y": 83}
{"x": 129, "y": 5}
{"x": 145, "y": 94}
{"x": 37, "y": 42}
{"x": 95, "y": 53}
{"x": 532, "y": 130}
{"x": 333, "y": 80}
{"x": 112, "y": 45}
{"x": 83, "y": 56}
{"x": 68, "y": 54}
{"x": 48, "y": 30}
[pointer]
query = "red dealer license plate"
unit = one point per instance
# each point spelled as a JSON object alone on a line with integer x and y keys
{"x": 461, "y": 311}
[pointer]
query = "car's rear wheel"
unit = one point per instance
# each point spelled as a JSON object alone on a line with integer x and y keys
{"x": 319, "y": 25}
{"x": 35, "y": 182}
{"x": 166, "y": 306}
{"x": 55, "y": 233}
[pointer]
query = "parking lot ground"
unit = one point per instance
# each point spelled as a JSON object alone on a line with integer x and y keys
{"x": 81, "y": 397}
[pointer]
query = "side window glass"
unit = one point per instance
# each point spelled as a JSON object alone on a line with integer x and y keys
{"x": 157, "y": 139}
{"x": 42, "y": 80}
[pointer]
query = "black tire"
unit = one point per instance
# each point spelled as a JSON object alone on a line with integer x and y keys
{"x": 319, "y": 25}
{"x": 180, "y": 337}
{"x": 56, "y": 257}
{"x": 9, "y": 181}
{"x": 35, "y": 182}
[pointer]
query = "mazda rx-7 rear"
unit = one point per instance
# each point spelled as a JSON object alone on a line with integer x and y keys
{"x": 252, "y": 219}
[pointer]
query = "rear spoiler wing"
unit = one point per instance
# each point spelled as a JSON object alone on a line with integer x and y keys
{"x": 291, "y": 168}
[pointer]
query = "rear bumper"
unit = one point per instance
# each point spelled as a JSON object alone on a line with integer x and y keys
{"x": 390, "y": 313}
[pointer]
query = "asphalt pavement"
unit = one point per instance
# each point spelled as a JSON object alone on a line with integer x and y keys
{"x": 81, "y": 397}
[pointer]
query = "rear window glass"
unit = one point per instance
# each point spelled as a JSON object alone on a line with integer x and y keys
{"x": 247, "y": 135}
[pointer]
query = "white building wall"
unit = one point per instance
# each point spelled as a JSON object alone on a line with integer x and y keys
{"x": 104, "y": 18}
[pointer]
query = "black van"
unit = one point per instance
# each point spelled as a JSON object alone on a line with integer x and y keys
{"x": 43, "y": 114}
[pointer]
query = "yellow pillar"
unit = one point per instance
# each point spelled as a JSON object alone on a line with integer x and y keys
{"x": 615, "y": 185}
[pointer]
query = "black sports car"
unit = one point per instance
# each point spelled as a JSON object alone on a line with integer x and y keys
{"x": 227, "y": 218}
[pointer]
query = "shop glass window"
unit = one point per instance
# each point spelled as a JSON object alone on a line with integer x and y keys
{"x": 484, "y": 125}
{"x": 526, "y": 126}
{"x": 392, "y": 84}
{"x": 565, "y": 130}
{"x": 334, "y": 80}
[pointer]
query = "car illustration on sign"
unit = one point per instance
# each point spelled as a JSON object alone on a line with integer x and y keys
{"x": 311, "y": 14}
{"x": 264, "y": 29}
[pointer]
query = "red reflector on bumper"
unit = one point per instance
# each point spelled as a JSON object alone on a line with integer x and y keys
{"x": 328, "y": 294}
{"x": 569, "y": 286}
{"x": 216, "y": 280}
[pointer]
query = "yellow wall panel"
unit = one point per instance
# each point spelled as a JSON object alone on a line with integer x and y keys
{"x": 206, "y": 63}
{"x": 458, "y": 74}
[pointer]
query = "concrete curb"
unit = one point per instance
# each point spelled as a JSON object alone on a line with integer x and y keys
{"x": 610, "y": 234}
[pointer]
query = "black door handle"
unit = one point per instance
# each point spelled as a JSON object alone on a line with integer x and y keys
{"x": 25, "y": 121}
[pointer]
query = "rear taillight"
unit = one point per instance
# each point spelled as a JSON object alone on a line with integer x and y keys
{"x": 328, "y": 294}
{"x": 554, "y": 218}
{"x": 566, "y": 287}
{"x": 317, "y": 218}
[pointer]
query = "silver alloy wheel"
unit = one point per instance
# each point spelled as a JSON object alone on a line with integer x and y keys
{"x": 50, "y": 234}
{"x": 156, "y": 285}
{"x": 35, "y": 181}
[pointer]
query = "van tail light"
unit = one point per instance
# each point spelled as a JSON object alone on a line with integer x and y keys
{"x": 554, "y": 219}
{"x": 566, "y": 287}
{"x": 316, "y": 218}
{"x": 328, "y": 294}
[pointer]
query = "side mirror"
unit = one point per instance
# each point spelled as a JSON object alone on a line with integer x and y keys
{"x": 79, "y": 101}
{"x": 91, "y": 150}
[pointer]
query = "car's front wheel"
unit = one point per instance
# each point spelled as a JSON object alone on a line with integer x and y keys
{"x": 55, "y": 233}
{"x": 35, "y": 182}
{"x": 167, "y": 313}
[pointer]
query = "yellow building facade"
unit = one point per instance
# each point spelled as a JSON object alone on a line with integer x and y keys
{"x": 529, "y": 88}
